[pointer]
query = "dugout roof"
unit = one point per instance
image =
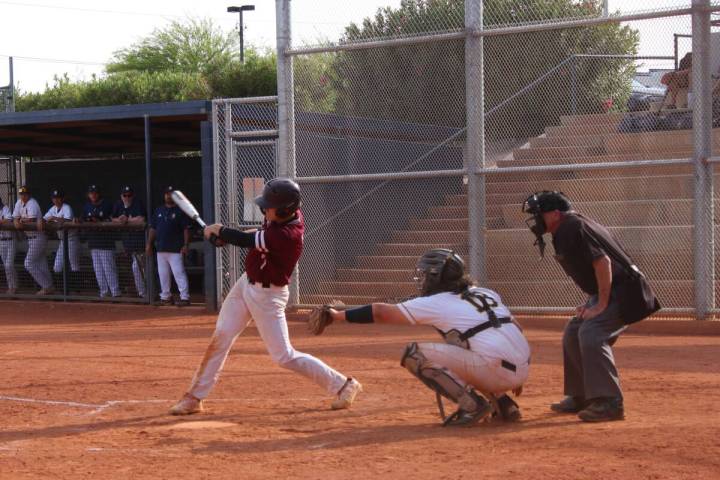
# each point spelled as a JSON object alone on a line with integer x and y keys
{"x": 119, "y": 129}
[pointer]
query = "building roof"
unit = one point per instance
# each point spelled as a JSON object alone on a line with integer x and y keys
{"x": 119, "y": 129}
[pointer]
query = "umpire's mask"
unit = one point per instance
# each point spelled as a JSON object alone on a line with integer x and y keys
{"x": 539, "y": 203}
{"x": 437, "y": 269}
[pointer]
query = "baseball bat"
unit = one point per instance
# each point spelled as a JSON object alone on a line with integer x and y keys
{"x": 189, "y": 209}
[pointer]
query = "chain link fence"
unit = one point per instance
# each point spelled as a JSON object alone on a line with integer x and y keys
{"x": 426, "y": 125}
{"x": 245, "y": 132}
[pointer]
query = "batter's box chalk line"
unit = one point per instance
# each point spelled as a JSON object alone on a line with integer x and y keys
{"x": 100, "y": 407}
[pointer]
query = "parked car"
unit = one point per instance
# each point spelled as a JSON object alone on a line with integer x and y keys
{"x": 642, "y": 96}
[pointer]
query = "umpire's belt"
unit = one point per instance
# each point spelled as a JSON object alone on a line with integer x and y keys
{"x": 264, "y": 284}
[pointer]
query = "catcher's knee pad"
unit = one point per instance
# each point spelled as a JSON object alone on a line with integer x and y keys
{"x": 437, "y": 379}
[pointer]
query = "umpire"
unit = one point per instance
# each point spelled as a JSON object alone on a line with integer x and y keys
{"x": 618, "y": 296}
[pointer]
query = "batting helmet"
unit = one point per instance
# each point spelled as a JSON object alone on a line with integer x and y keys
{"x": 282, "y": 194}
{"x": 439, "y": 270}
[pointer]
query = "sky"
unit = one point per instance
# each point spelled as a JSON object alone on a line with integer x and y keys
{"x": 52, "y": 37}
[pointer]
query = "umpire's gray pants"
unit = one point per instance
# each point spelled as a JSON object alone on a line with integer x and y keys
{"x": 590, "y": 370}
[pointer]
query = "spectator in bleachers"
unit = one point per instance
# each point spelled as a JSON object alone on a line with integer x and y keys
{"x": 678, "y": 84}
{"x": 170, "y": 230}
{"x": 130, "y": 211}
{"x": 101, "y": 243}
{"x": 27, "y": 211}
{"x": 7, "y": 249}
{"x": 58, "y": 214}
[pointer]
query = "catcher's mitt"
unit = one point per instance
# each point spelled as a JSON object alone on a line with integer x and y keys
{"x": 320, "y": 316}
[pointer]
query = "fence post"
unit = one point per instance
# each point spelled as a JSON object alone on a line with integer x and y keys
{"x": 573, "y": 85}
{"x": 149, "y": 263}
{"x": 66, "y": 263}
{"x": 474, "y": 152}
{"x": 286, "y": 112}
{"x": 704, "y": 247}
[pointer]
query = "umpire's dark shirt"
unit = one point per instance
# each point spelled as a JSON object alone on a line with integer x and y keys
{"x": 576, "y": 248}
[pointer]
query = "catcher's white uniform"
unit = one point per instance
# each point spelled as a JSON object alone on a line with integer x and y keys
{"x": 499, "y": 357}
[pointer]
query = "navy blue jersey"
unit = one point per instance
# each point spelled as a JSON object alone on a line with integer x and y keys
{"x": 132, "y": 241}
{"x": 170, "y": 224}
{"x": 100, "y": 212}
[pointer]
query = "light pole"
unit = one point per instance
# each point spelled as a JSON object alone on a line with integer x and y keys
{"x": 240, "y": 10}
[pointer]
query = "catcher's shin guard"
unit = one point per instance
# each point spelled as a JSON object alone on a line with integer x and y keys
{"x": 440, "y": 381}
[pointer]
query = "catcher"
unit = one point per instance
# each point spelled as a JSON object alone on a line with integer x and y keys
{"x": 484, "y": 355}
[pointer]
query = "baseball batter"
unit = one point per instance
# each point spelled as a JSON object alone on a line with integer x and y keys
{"x": 7, "y": 249}
{"x": 60, "y": 213}
{"x": 485, "y": 353}
{"x": 27, "y": 211}
{"x": 261, "y": 294}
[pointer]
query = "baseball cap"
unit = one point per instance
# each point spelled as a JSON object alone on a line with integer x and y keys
{"x": 169, "y": 189}
{"x": 127, "y": 189}
{"x": 23, "y": 189}
{"x": 57, "y": 193}
{"x": 93, "y": 188}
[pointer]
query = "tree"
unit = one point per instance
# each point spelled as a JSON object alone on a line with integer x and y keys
{"x": 196, "y": 45}
{"x": 425, "y": 83}
{"x": 186, "y": 61}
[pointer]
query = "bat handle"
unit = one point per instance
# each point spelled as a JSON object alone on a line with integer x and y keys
{"x": 215, "y": 241}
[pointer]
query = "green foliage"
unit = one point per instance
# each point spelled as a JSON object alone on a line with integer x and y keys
{"x": 315, "y": 76}
{"x": 191, "y": 61}
{"x": 425, "y": 83}
{"x": 196, "y": 45}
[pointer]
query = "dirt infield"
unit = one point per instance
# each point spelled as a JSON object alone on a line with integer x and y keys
{"x": 85, "y": 390}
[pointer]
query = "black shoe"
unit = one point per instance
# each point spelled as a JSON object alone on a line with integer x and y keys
{"x": 165, "y": 303}
{"x": 183, "y": 303}
{"x": 603, "y": 410}
{"x": 461, "y": 418}
{"x": 568, "y": 405}
{"x": 509, "y": 410}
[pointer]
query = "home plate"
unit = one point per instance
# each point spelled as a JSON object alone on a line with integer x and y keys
{"x": 200, "y": 425}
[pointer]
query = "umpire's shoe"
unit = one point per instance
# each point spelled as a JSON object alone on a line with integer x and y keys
{"x": 187, "y": 406}
{"x": 569, "y": 405}
{"x": 603, "y": 410}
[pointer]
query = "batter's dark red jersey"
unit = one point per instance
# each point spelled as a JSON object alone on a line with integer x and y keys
{"x": 278, "y": 247}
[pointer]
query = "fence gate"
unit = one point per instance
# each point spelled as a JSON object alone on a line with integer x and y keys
{"x": 245, "y": 157}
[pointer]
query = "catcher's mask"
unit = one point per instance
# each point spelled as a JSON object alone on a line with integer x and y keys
{"x": 438, "y": 270}
{"x": 539, "y": 203}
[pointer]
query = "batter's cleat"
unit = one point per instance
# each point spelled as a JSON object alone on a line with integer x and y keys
{"x": 187, "y": 406}
{"x": 461, "y": 418}
{"x": 603, "y": 410}
{"x": 346, "y": 395}
{"x": 568, "y": 405}
{"x": 509, "y": 410}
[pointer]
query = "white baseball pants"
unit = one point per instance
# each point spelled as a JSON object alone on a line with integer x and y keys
{"x": 73, "y": 253}
{"x": 266, "y": 306}
{"x": 482, "y": 371}
{"x": 36, "y": 262}
{"x": 7, "y": 254}
{"x": 105, "y": 272}
{"x": 168, "y": 262}
{"x": 137, "y": 270}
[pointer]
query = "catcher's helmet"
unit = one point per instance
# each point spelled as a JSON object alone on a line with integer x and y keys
{"x": 439, "y": 270}
{"x": 282, "y": 194}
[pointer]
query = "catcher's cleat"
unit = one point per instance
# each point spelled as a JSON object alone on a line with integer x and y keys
{"x": 603, "y": 410}
{"x": 461, "y": 418}
{"x": 346, "y": 395}
{"x": 568, "y": 405}
{"x": 187, "y": 406}
{"x": 509, "y": 410}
